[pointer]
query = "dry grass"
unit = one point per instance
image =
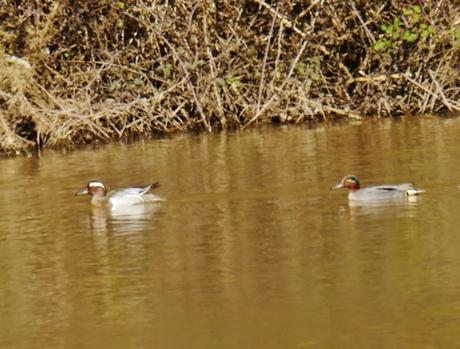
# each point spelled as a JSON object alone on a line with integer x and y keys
{"x": 101, "y": 70}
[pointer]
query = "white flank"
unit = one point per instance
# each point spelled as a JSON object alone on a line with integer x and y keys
{"x": 414, "y": 191}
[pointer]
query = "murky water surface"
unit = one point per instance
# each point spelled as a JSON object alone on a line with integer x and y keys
{"x": 251, "y": 249}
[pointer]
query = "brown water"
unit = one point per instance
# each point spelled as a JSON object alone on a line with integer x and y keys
{"x": 251, "y": 250}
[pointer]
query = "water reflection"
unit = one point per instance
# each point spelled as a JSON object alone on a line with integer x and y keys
{"x": 401, "y": 206}
{"x": 122, "y": 220}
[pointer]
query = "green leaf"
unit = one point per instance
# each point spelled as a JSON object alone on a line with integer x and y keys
{"x": 410, "y": 36}
{"x": 233, "y": 81}
{"x": 408, "y": 11}
{"x": 456, "y": 33}
{"x": 397, "y": 22}
{"x": 425, "y": 31}
{"x": 415, "y": 18}
{"x": 197, "y": 64}
{"x": 417, "y": 9}
{"x": 166, "y": 69}
{"x": 301, "y": 68}
{"x": 380, "y": 45}
{"x": 389, "y": 30}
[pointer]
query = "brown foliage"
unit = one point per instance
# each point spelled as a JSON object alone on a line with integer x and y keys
{"x": 99, "y": 70}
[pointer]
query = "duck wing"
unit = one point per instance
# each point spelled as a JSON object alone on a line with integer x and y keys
{"x": 132, "y": 196}
{"x": 400, "y": 187}
{"x": 126, "y": 193}
{"x": 407, "y": 188}
{"x": 133, "y": 191}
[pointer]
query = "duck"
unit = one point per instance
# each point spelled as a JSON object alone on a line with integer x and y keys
{"x": 378, "y": 192}
{"x": 119, "y": 197}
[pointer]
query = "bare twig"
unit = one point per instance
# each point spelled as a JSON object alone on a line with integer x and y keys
{"x": 450, "y": 105}
{"x": 289, "y": 24}
{"x": 213, "y": 68}
{"x": 431, "y": 93}
{"x": 366, "y": 29}
{"x": 264, "y": 63}
{"x": 268, "y": 103}
{"x": 283, "y": 18}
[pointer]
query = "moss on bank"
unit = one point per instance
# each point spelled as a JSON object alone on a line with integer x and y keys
{"x": 78, "y": 71}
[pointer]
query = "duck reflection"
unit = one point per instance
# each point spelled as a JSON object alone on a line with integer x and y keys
{"x": 122, "y": 220}
{"x": 405, "y": 206}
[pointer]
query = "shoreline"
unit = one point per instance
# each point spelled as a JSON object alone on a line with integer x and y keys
{"x": 128, "y": 140}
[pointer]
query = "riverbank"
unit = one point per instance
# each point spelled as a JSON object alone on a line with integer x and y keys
{"x": 73, "y": 73}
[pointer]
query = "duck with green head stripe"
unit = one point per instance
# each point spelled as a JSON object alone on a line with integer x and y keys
{"x": 378, "y": 192}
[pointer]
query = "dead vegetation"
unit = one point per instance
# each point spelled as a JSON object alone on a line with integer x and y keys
{"x": 74, "y": 72}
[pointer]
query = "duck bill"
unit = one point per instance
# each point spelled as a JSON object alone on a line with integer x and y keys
{"x": 82, "y": 192}
{"x": 338, "y": 186}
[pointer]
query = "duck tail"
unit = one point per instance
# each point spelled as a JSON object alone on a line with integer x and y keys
{"x": 154, "y": 185}
{"x": 412, "y": 192}
{"x": 148, "y": 188}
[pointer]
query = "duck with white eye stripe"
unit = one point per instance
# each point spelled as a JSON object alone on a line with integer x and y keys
{"x": 119, "y": 197}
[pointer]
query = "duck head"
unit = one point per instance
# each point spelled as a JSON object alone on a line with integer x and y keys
{"x": 351, "y": 182}
{"x": 94, "y": 188}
